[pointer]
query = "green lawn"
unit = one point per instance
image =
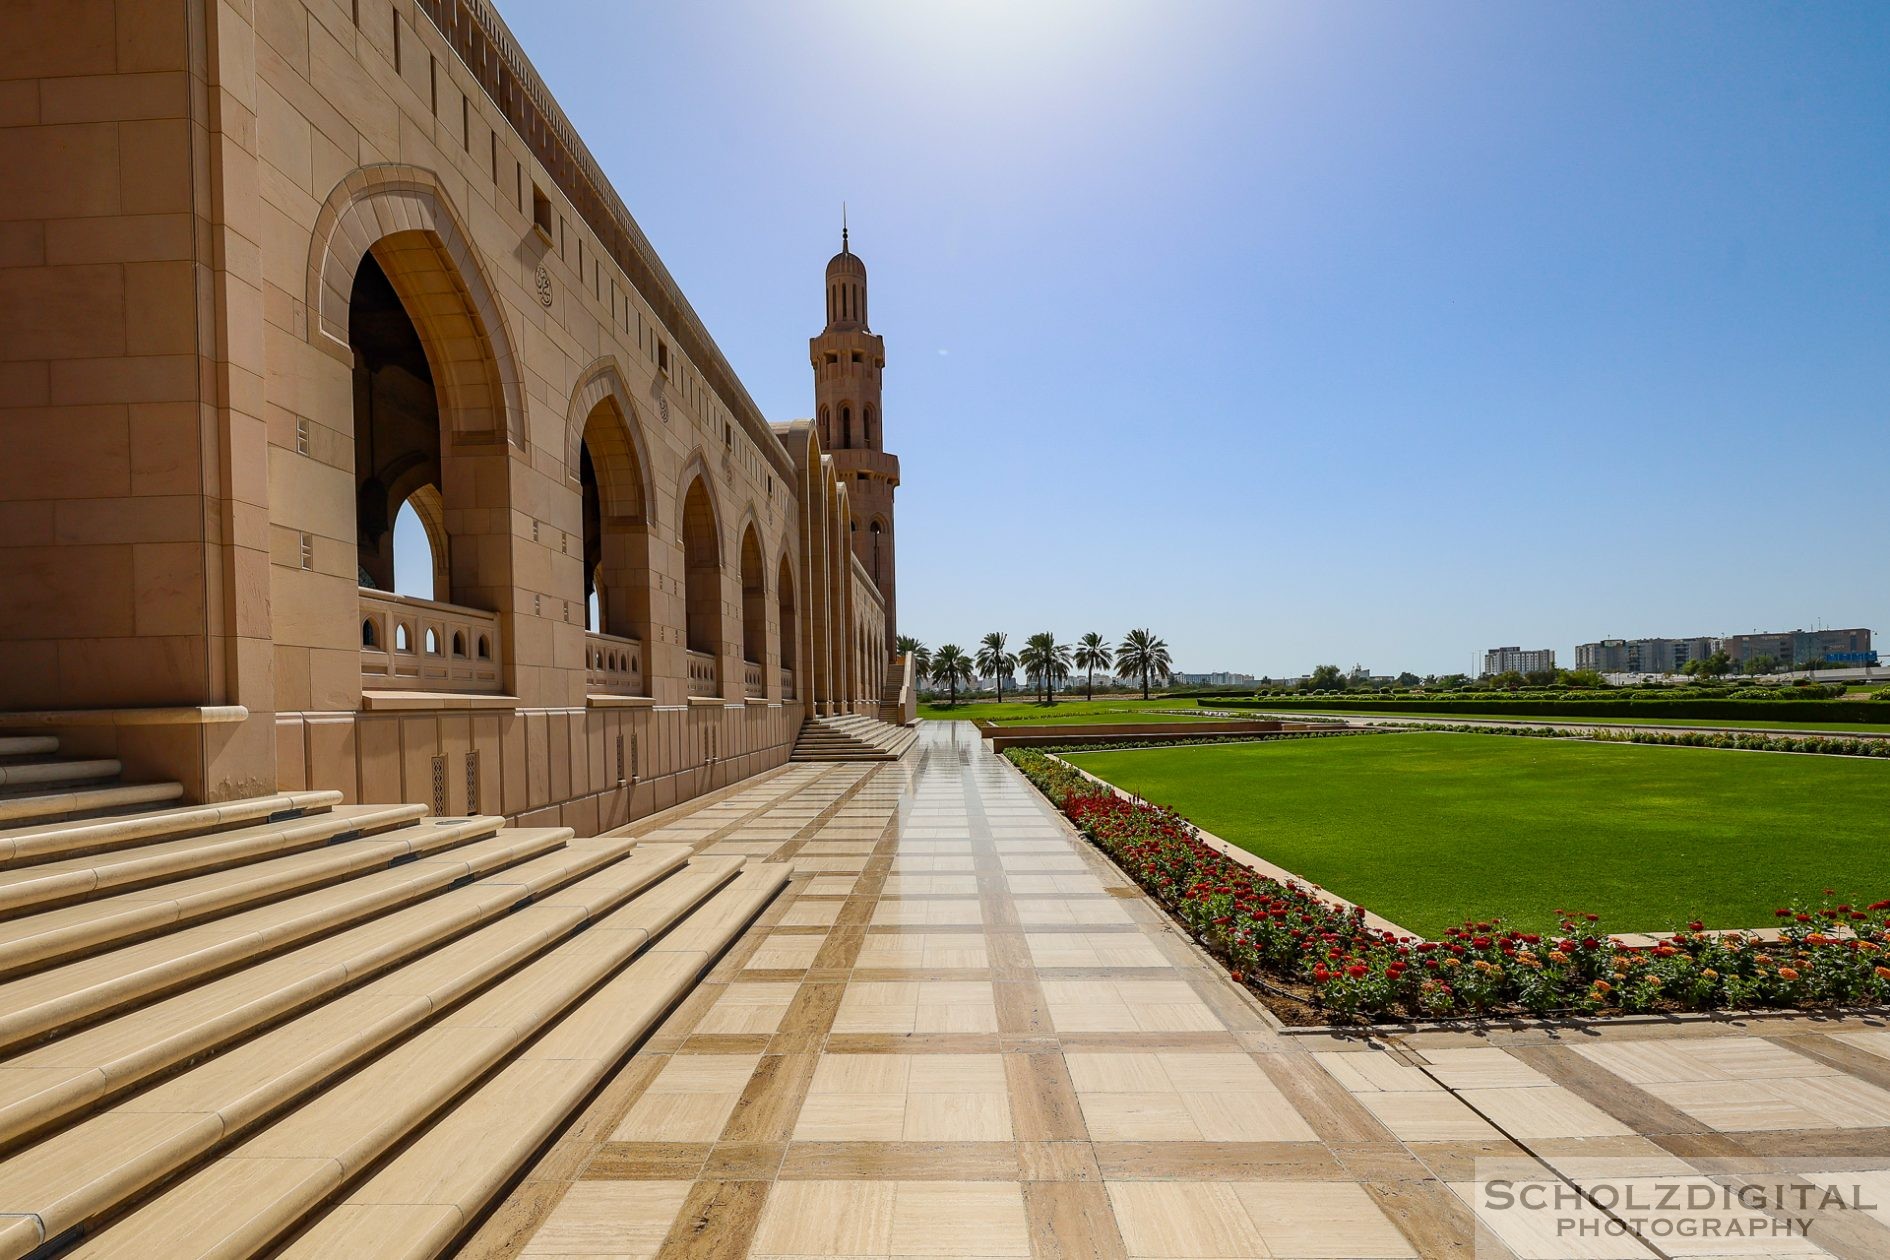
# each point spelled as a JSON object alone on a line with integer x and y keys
{"x": 1479, "y": 719}
{"x": 1430, "y": 829}
{"x": 1072, "y": 712}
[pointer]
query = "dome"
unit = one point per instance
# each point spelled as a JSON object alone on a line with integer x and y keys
{"x": 845, "y": 263}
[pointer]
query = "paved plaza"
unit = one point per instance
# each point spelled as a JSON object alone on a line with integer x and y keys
{"x": 962, "y": 1033}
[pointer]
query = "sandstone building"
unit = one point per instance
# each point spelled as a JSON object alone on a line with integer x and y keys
{"x": 271, "y": 271}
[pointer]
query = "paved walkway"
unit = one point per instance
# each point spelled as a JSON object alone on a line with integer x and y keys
{"x": 961, "y": 1033}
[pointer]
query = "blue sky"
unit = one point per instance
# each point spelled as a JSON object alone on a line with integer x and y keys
{"x": 1342, "y": 332}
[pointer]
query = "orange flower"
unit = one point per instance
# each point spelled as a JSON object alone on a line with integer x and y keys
{"x": 1883, "y": 973}
{"x": 1787, "y": 973}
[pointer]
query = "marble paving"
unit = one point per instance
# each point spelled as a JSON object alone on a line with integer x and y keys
{"x": 962, "y": 1033}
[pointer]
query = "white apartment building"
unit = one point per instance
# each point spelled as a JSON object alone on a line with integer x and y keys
{"x": 1501, "y": 660}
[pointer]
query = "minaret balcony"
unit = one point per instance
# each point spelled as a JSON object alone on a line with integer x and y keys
{"x": 858, "y": 459}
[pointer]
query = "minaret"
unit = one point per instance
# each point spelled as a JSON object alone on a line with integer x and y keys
{"x": 848, "y": 358}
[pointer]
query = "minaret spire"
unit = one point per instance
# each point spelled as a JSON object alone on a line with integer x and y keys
{"x": 843, "y": 229}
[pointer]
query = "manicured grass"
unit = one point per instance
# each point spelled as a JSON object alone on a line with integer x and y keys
{"x": 1477, "y": 719}
{"x": 1072, "y": 712}
{"x": 1430, "y": 829}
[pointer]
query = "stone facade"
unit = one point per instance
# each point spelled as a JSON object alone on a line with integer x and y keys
{"x": 271, "y": 270}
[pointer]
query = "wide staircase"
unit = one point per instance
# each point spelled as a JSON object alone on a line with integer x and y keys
{"x": 294, "y": 1027}
{"x": 851, "y": 737}
{"x": 38, "y": 785}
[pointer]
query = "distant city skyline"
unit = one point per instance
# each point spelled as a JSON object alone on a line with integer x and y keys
{"x": 1302, "y": 334}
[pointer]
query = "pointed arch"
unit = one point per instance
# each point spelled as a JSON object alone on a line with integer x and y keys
{"x": 403, "y": 215}
{"x": 702, "y": 568}
{"x": 602, "y": 386}
{"x": 615, "y": 491}
{"x": 754, "y": 597}
{"x": 430, "y": 507}
{"x": 807, "y": 568}
{"x": 694, "y": 468}
{"x": 787, "y": 625}
{"x": 878, "y": 550}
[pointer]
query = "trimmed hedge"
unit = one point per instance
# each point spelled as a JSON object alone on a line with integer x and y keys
{"x": 1624, "y": 710}
{"x": 1258, "y": 737}
{"x": 1749, "y": 741}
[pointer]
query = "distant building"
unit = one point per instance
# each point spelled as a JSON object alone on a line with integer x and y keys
{"x": 1797, "y": 648}
{"x": 1787, "y": 648}
{"x": 1643, "y": 656}
{"x": 1502, "y": 660}
{"x": 1221, "y": 679}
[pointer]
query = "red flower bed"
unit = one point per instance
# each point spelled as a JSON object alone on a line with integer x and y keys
{"x": 1832, "y": 954}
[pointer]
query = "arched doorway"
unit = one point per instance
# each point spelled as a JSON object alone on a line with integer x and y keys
{"x": 876, "y": 563}
{"x": 702, "y": 587}
{"x": 754, "y": 600}
{"x": 611, "y": 479}
{"x": 788, "y": 654}
{"x": 436, "y": 417}
{"x": 396, "y": 436}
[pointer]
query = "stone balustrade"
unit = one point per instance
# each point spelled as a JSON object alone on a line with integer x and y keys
{"x": 613, "y": 666}
{"x": 754, "y": 681}
{"x": 704, "y": 677}
{"x": 787, "y": 684}
{"x": 412, "y": 644}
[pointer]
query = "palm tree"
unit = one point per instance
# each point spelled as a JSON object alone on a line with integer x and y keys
{"x": 951, "y": 666}
{"x": 921, "y": 655}
{"x": 1046, "y": 661}
{"x": 1142, "y": 655}
{"x": 995, "y": 661}
{"x": 1092, "y": 654}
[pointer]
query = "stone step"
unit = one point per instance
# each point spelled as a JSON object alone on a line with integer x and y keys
{"x": 851, "y": 737}
{"x": 39, "y": 775}
{"x": 28, "y": 745}
{"x": 252, "y": 1195}
{"x": 45, "y": 842}
{"x": 27, "y": 888}
{"x": 85, "y": 802}
{"x": 79, "y": 1070}
{"x": 90, "y": 988}
{"x": 415, "y": 1205}
{"x": 162, "y": 1131}
{"x": 42, "y": 939}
